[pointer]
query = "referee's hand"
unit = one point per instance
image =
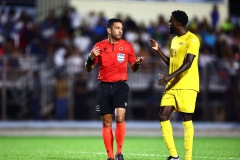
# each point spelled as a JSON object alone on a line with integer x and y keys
{"x": 139, "y": 60}
{"x": 95, "y": 52}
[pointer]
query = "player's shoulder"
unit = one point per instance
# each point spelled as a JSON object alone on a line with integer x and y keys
{"x": 193, "y": 37}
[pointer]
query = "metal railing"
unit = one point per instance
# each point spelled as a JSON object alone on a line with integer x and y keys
{"x": 24, "y": 87}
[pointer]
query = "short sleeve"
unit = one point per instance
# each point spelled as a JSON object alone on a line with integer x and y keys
{"x": 193, "y": 47}
{"x": 132, "y": 56}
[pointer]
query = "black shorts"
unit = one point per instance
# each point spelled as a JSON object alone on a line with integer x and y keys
{"x": 111, "y": 95}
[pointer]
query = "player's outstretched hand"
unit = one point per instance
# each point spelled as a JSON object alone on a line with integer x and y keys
{"x": 154, "y": 44}
{"x": 164, "y": 80}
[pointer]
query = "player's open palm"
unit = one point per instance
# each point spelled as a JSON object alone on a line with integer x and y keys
{"x": 164, "y": 80}
{"x": 154, "y": 44}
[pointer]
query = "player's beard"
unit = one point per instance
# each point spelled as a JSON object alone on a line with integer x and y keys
{"x": 171, "y": 30}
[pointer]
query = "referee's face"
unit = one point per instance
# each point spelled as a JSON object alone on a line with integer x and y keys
{"x": 116, "y": 31}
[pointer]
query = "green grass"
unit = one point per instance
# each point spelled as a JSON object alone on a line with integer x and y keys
{"x": 91, "y": 148}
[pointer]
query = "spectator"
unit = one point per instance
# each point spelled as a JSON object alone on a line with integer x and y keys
{"x": 48, "y": 26}
{"x": 227, "y": 25}
{"x": 209, "y": 38}
{"x": 61, "y": 104}
{"x": 76, "y": 18}
{"x": 35, "y": 88}
{"x": 81, "y": 110}
{"x": 232, "y": 101}
{"x": 75, "y": 62}
{"x": 82, "y": 41}
{"x": 91, "y": 20}
{"x": 215, "y": 16}
{"x": 162, "y": 30}
{"x": 205, "y": 58}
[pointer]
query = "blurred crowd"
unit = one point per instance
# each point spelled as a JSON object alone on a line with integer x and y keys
{"x": 66, "y": 39}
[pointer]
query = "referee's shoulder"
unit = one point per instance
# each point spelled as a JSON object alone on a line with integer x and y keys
{"x": 126, "y": 42}
{"x": 102, "y": 42}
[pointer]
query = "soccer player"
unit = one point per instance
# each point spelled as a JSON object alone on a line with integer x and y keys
{"x": 182, "y": 82}
{"x": 113, "y": 55}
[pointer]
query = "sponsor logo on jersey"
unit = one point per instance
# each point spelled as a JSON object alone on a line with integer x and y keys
{"x": 172, "y": 52}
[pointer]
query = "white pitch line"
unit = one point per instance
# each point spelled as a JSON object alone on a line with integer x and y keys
{"x": 156, "y": 155}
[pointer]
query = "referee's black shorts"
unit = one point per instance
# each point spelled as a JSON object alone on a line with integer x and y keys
{"x": 111, "y": 95}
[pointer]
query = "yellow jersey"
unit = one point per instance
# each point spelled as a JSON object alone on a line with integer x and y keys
{"x": 180, "y": 47}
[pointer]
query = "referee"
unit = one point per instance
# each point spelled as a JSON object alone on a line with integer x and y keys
{"x": 113, "y": 56}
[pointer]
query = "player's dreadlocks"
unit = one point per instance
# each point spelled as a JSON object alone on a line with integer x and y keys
{"x": 181, "y": 16}
{"x": 113, "y": 20}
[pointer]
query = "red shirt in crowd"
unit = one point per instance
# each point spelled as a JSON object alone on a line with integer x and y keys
{"x": 113, "y": 60}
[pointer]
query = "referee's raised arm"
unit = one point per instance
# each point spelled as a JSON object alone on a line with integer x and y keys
{"x": 89, "y": 64}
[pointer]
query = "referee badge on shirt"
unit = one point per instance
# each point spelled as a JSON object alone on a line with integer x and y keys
{"x": 120, "y": 57}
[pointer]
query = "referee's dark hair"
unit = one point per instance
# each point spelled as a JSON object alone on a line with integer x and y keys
{"x": 113, "y": 20}
{"x": 181, "y": 17}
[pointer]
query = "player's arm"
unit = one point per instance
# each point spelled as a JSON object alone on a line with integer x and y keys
{"x": 185, "y": 66}
{"x": 157, "y": 49}
{"x": 135, "y": 65}
{"x": 89, "y": 64}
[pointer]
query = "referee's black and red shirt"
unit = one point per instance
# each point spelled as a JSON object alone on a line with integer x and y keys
{"x": 113, "y": 60}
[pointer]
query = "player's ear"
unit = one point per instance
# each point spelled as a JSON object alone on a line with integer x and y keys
{"x": 109, "y": 30}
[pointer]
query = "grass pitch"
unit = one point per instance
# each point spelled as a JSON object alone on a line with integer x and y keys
{"x": 92, "y": 148}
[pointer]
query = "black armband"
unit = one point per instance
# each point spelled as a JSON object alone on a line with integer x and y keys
{"x": 137, "y": 64}
{"x": 90, "y": 61}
